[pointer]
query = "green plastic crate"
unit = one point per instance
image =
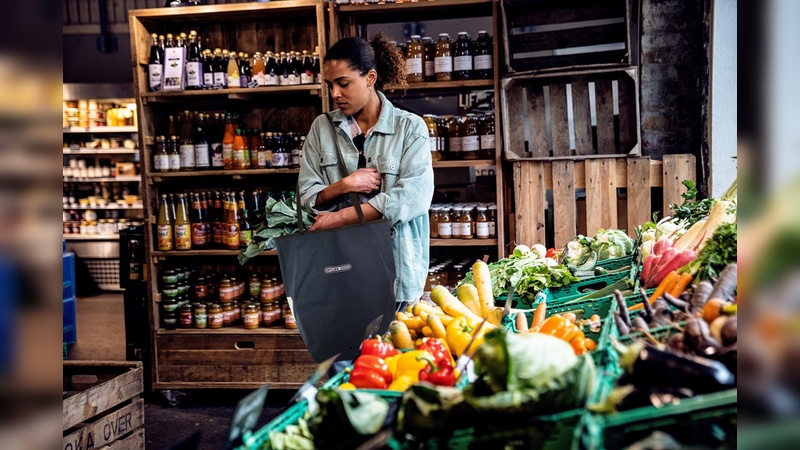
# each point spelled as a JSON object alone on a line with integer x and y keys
{"x": 615, "y": 263}
{"x": 516, "y": 302}
{"x": 586, "y": 286}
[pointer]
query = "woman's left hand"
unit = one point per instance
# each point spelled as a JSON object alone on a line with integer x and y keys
{"x": 326, "y": 220}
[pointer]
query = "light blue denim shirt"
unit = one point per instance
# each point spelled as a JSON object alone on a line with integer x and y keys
{"x": 398, "y": 147}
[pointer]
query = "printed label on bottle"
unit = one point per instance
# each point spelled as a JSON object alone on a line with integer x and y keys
{"x": 492, "y": 229}
{"x": 187, "y": 156}
{"x": 245, "y": 236}
{"x": 293, "y": 80}
{"x": 239, "y": 158}
{"x": 216, "y": 155}
{"x": 251, "y": 83}
{"x": 455, "y": 144}
{"x": 443, "y": 64}
{"x": 259, "y": 77}
{"x": 482, "y": 229}
{"x": 317, "y": 79}
{"x": 296, "y": 157}
{"x": 194, "y": 73}
{"x": 227, "y": 156}
{"x": 154, "y": 73}
{"x": 208, "y": 79}
{"x": 280, "y": 159}
{"x": 262, "y": 159}
{"x": 466, "y": 229}
{"x": 233, "y": 80}
{"x": 201, "y": 159}
{"x": 433, "y": 143}
{"x": 161, "y": 162}
{"x": 470, "y": 144}
{"x": 445, "y": 229}
{"x": 430, "y": 68}
{"x": 462, "y": 62}
{"x": 199, "y": 234}
{"x": 164, "y": 237}
{"x": 487, "y": 141}
{"x": 414, "y": 65}
{"x": 220, "y": 80}
{"x": 482, "y": 62}
{"x": 183, "y": 237}
{"x": 231, "y": 236}
{"x": 174, "y": 162}
{"x": 442, "y": 143}
{"x": 307, "y": 78}
{"x": 270, "y": 79}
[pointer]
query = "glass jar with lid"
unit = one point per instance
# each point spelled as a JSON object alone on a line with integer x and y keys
{"x": 433, "y": 137}
{"x": 226, "y": 292}
{"x": 443, "y": 62}
{"x": 428, "y": 59}
{"x": 492, "y": 221}
{"x": 277, "y": 313}
{"x": 455, "y": 132}
{"x": 227, "y": 314}
{"x": 433, "y": 219}
{"x": 200, "y": 288}
{"x": 462, "y": 57}
{"x": 470, "y": 138}
{"x": 254, "y": 286}
{"x": 482, "y": 223}
{"x": 288, "y": 317}
{"x": 455, "y": 220}
{"x": 487, "y": 137}
{"x": 267, "y": 291}
{"x": 266, "y": 314}
{"x": 415, "y": 55}
{"x": 215, "y": 316}
{"x": 185, "y": 317}
{"x": 200, "y": 315}
{"x": 445, "y": 224}
{"x": 466, "y": 223}
{"x": 251, "y": 316}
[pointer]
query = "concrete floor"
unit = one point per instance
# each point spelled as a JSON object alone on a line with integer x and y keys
{"x": 207, "y": 412}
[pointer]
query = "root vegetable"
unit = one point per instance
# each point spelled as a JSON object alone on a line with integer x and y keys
{"x": 677, "y": 303}
{"x": 539, "y": 315}
{"x": 623, "y": 308}
{"x": 726, "y": 284}
{"x": 522, "y": 323}
{"x": 713, "y": 309}
{"x": 728, "y": 333}
{"x": 483, "y": 283}
{"x": 639, "y": 324}
{"x": 701, "y": 295}
{"x": 468, "y": 295}
{"x": 442, "y": 297}
{"x": 401, "y": 337}
{"x": 437, "y": 327}
{"x": 623, "y": 328}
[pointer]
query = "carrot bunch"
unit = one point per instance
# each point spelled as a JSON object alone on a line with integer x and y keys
{"x": 563, "y": 326}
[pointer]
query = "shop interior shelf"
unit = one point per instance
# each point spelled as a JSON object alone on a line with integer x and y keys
{"x": 125, "y": 129}
{"x": 463, "y": 163}
{"x": 228, "y": 330}
{"x": 210, "y": 252}
{"x": 247, "y": 172}
{"x": 463, "y": 242}
{"x": 313, "y": 89}
{"x": 104, "y": 179}
{"x": 101, "y": 151}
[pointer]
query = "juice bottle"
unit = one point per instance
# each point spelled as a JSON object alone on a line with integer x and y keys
{"x": 443, "y": 63}
{"x": 258, "y": 69}
{"x": 227, "y": 143}
{"x": 239, "y": 151}
{"x": 232, "y": 71}
{"x": 415, "y": 60}
{"x": 164, "y": 226}
{"x": 232, "y": 236}
{"x": 462, "y": 57}
{"x": 183, "y": 230}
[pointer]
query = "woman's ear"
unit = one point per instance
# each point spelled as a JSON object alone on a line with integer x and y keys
{"x": 372, "y": 77}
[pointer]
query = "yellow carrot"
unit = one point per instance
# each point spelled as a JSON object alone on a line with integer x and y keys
{"x": 442, "y": 297}
{"x": 483, "y": 283}
{"x": 468, "y": 295}
{"x": 436, "y": 326}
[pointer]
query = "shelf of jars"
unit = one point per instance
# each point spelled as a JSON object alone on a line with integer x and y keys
{"x": 208, "y": 252}
{"x": 90, "y": 237}
{"x": 463, "y": 242}
{"x": 101, "y": 151}
{"x": 445, "y": 85}
{"x": 312, "y": 89}
{"x": 159, "y": 176}
{"x": 107, "y": 129}
{"x": 463, "y": 163}
{"x": 399, "y": 11}
{"x": 122, "y": 179}
{"x": 232, "y": 330}
{"x": 107, "y": 208}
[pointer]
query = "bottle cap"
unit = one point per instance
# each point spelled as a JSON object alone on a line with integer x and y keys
{"x": 415, "y": 36}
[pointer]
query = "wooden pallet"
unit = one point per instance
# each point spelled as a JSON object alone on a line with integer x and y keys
{"x": 102, "y": 405}
{"x": 617, "y": 194}
{"x": 539, "y": 123}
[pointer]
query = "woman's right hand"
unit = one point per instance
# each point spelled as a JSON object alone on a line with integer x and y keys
{"x": 363, "y": 181}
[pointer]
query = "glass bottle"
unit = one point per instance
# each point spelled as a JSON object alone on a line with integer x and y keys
{"x": 202, "y": 157}
{"x": 208, "y": 69}
{"x": 216, "y": 219}
{"x": 251, "y": 316}
{"x": 187, "y": 144}
{"x": 161, "y": 158}
{"x": 443, "y": 63}
{"x": 173, "y": 147}
{"x": 307, "y": 72}
{"x": 470, "y": 138}
{"x": 271, "y": 70}
{"x": 232, "y": 224}
{"x": 445, "y": 224}
{"x": 194, "y": 67}
{"x": 467, "y": 223}
{"x": 482, "y": 58}
{"x": 199, "y": 225}
{"x": 215, "y": 317}
{"x": 415, "y": 60}
{"x": 433, "y": 220}
{"x": 259, "y": 68}
{"x": 482, "y": 223}
{"x": 183, "y": 230}
{"x": 200, "y": 315}
{"x": 433, "y": 136}
{"x": 227, "y": 143}
{"x": 186, "y": 317}
{"x": 245, "y": 230}
{"x": 239, "y": 151}
{"x": 155, "y": 66}
{"x": 220, "y": 69}
{"x": 456, "y": 217}
{"x": 492, "y": 221}
{"x": 228, "y": 314}
{"x": 288, "y": 317}
{"x": 462, "y": 57}
{"x": 428, "y": 59}
{"x": 263, "y": 159}
{"x": 455, "y": 131}
{"x": 164, "y": 230}
{"x": 315, "y": 68}
{"x": 245, "y": 72}
{"x": 487, "y": 137}
{"x": 283, "y": 70}
{"x": 201, "y": 289}
{"x": 232, "y": 71}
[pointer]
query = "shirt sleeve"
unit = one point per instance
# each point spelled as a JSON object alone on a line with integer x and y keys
{"x": 411, "y": 196}
{"x": 310, "y": 181}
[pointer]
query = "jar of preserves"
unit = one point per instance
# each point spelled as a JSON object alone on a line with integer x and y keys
{"x": 254, "y": 286}
{"x": 169, "y": 277}
{"x": 170, "y": 290}
{"x": 455, "y": 220}
{"x": 267, "y": 291}
{"x": 288, "y": 318}
{"x": 482, "y": 223}
{"x": 482, "y": 56}
{"x": 266, "y": 314}
{"x": 251, "y": 316}
{"x": 492, "y": 221}
{"x": 487, "y": 137}
{"x": 169, "y": 305}
{"x": 200, "y": 315}
{"x": 185, "y": 317}
{"x": 428, "y": 59}
{"x": 226, "y": 291}
{"x": 457, "y": 274}
{"x": 443, "y": 62}
{"x": 170, "y": 320}
{"x": 180, "y": 274}
{"x": 227, "y": 315}
{"x": 237, "y": 311}
{"x": 433, "y": 137}
{"x": 467, "y": 226}
{"x": 462, "y": 57}
{"x": 415, "y": 56}
{"x": 445, "y": 224}
{"x": 454, "y": 134}
{"x": 200, "y": 288}
{"x": 215, "y": 317}
{"x": 470, "y": 138}
{"x": 433, "y": 219}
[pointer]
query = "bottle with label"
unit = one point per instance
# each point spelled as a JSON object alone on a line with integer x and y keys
{"x": 454, "y": 134}
{"x": 482, "y": 58}
{"x": 433, "y": 220}
{"x": 161, "y": 158}
{"x": 295, "y": 68}
{"x": 187, "y": 143}
{"x": 428, "y": 59}
{"x": 415, "y": 56}
{"x": 445, "y": 224}
{"x": 240, "y": 160}
{"x": 470, "y": 138}
{"x": 455, "y": 220}
{"x": 467, "y": 228}
{"x": 482, "y": 223}
{"x": 462, "y": 57}
{"x": 433, "y": 136}
{"x": 183, "y": 227}
{"x": 261, "y": 152}
{"x": 280, "y": 155}
{"x": 283, "y": 69}
{"x": 259, "y": 69}
{"x": 227, "y": 143}
{"x": 194, "y": 67}
{"x": 492, "y": 221}
{"x": 245, "y": 72}
{"x": 208, "y": 69}
{"x": 155, "y": 65}
{"x": 202, "y": 158}
{"x": 271, "y": 70}
{"x": 443, "y": 63}
{"x": 174, "y": 154}
{"x": 231, "y": 230}
{"x": 199, "y": 224}
{"x": 295, "y": 152}
{"x": 255, "y": 142}
{"x": 215, "y": 150}
{"x": 315, "y": 68}
{"x": 245, "y": 229}
{"x": 164, "y": 231}
{"x": 216, "y": 217}
{"x": 220, "y": 69}
{"x": 487, "y": 137}
{"x": 232, "y": 71}
{"x": 307, "y": 73}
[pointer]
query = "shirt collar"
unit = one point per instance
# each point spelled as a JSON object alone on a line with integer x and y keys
{"x": 385, "y": 122}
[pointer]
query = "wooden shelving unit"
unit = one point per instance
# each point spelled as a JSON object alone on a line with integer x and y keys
{"x": 231, "y": 357}
{"x": 85, "y": 130}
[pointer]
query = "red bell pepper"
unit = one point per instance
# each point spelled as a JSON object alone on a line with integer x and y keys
{"x": 375, "y": 364}
{"x": 378, "y": 347}
{"x": 366, "y": 379}
{"x": 435, "y": 374}
{"x": 441, "y": 354}
{"x": 551, "y": 253}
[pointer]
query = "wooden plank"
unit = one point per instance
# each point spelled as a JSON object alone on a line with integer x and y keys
{"x": 601, "y": 195}
{"x": 233, "y": 357}
{"x": 564, "y": 219}
{"x": 247, "y": 38}
{"x": 628, "y": 128}
{"x": 638, "y": 193}
{"x": 135, "y": 441}
{"x": 604, "y": 105}
{"x": 581, "y": 116}
{"x": 537, "y": 121}
{"x": 579, "y": 36}
{"x": 108, "y": 428}
{"x": 514, "y": 123}
{"x": 529, "y": 202}
{"x": 559, "y": 123}
{"x": 91, "y": 402}
{"x": 213, "y": 342}
{"x": 676, "y": 169}
{"x": 535, "y": 13}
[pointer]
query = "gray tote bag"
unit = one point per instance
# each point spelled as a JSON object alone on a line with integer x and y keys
{"x": 339, "y": 280}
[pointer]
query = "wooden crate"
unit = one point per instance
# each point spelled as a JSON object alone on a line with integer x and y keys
{"x": 102, "y": 405}
{"x": 617, "y": 194}
{"x": 542, "y": 35}
{"x": 539, "y": 123}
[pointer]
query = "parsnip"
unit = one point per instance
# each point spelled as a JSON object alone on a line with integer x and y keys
{"x": 483, "y": 283}
{"x": 468, "y": 295}
{"x": 442, "y": 297}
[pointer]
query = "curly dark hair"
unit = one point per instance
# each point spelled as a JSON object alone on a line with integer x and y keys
{"x": 378, "y": 54}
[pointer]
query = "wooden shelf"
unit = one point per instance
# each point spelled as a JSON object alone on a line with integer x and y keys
{"x": 235, "y": 330}
{"x": 429, "y": 86}
{"x": 209, "y": 252}
{"x": 463, "y": 242}
{"x": 313, "y": 89}
{"x": 109, "y": 179}
{"x": 107, "y": 208}
{"x": 126, "y": 129}
{"x": 91, "y": 237}
{"x": 225, "y": 12}
{"x": 463, "y": 163}
{"x": 400, "y": 12}
{"x": 99, "y": 151}
{"x": 221, "y": 173}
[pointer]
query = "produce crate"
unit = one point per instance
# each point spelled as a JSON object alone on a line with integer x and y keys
{"x": 615, "y": 263}
{"x": 70, "y": 321}
{"x": 516, "y": 302}
{"x": 542, "y": 35}
{"x": 102, "y": 405}
{"x": 585, "y": 286}
{"x": 68, "y": 263}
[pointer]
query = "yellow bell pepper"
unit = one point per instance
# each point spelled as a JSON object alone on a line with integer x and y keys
{"x": 347, "y": 386}
{"x": 410, "y": 362}
{"x": 459, "y": 333}
{"x": 402, "y": 382}
{"x": 392, "y": 363}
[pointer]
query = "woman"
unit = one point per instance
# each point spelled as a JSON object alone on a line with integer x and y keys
{"x": 386, "y": 152}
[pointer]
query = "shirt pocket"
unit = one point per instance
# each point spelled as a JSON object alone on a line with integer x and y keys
{"x": 389, "y": 168}
{"x": 329, "y": 166}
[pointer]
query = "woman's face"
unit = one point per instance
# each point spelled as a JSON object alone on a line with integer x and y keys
{"x": 348, "y": 88}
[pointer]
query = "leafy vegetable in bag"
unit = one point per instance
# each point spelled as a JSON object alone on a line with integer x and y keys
{"x": 278, "y": 218}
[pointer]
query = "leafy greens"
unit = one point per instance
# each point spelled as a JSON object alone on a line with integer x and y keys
{"x": 278, "y": 218}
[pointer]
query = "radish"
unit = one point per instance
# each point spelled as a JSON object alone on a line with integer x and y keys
{"x": 674, "y": 263}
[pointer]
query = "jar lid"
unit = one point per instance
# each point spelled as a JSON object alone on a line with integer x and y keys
{"x": 444, "y": 34}
{"x": 492, "y": 207}
{"x": 462, "y": 33}
{"x": 415, "y": 36}
{"x": 482, "y": 208}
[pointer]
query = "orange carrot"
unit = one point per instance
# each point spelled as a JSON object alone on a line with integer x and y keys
{"x": 522, "y": 322}
{"x": 666, "y": 284}
{"x": 681, "y": 284}
{"x": 539, "y": 314}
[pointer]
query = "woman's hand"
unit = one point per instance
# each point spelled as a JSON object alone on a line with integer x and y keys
{"x": 327, "y": 220}
{"x": 363, "y": 181}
